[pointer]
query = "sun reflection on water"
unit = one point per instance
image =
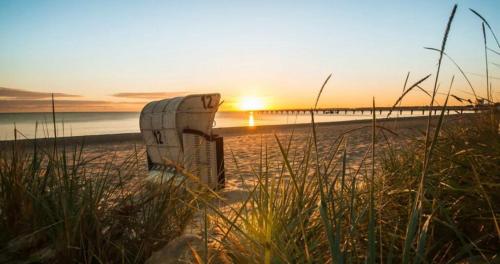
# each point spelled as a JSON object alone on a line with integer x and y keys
{"x": 251, "y": 121}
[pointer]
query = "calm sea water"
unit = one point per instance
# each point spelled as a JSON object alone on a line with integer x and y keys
{"x": 78, "y": 124}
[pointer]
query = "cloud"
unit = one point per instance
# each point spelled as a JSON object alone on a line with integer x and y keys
{"x": 152, "y": 95}
{"x": 28, "y": 105}
{"x": 11, "y": 93}
{"x": 17, "y": 100}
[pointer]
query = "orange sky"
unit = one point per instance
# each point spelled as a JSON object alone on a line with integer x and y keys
{"x": 119, "y": 55}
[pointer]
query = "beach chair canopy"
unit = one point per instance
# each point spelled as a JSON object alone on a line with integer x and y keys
{"x": 163, "y": 123}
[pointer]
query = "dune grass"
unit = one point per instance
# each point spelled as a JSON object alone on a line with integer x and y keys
{"x": 433, "y": 199}
{"x": 311, "y": 208}
{"x": 57, "y": 207}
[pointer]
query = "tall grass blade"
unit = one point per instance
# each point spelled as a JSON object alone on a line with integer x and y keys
{"x": 488, "y": 91}
{"x": 459, "y": 68}
{"x": 494, "y": 51}
{"x": 321, "y": 90}
{"x": 417, "y": 204}
{"x": 421, "y": 245}
{"x": 371, "y": 215}
{"x": 406, "y": 82}
{"x": 54, "y": 123}
{"x": 323, "y": 208}
{"x": 439, "y": 125}
{"x": 406, "y": 92}
{"x": 442, "y": 50}
{"x": 487, "y": 24}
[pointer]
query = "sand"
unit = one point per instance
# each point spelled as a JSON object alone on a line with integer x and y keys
{"x": 243, "y": 146}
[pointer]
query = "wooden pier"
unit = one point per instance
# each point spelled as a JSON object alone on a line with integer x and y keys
{"x": 368, "y": 110}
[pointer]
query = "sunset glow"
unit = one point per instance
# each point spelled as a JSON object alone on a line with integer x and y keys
{"x": 249, "y": 103}
{"x": 265, "y": 55}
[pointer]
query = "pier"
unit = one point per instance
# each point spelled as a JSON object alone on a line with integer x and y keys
{"x": 362, "y": 110}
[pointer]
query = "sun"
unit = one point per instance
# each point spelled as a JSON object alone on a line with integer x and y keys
{"x": 248, "y": 103}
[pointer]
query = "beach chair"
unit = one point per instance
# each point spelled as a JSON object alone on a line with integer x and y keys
{"x": 179, "y": 140}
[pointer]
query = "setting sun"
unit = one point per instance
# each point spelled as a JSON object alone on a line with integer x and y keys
{"x": 248, "y": 103}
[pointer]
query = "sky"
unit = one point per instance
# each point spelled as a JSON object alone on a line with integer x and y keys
{"x": 118, "y": 55}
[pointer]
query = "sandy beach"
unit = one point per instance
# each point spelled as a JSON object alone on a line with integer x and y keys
{"x": 246, "y": 149}
{"x": 163, "y": 132}
{"x": 243, "y": 146}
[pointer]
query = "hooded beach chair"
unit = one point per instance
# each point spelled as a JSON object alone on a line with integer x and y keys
{"x": 178, "y": 137}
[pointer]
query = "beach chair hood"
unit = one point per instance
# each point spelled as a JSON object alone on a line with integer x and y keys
{"x": 163, "y": 122}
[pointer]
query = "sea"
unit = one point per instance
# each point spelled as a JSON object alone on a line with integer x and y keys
{"x": 40, "y": 125}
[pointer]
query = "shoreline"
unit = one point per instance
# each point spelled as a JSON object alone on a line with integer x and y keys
{"x": 225, "y": 131}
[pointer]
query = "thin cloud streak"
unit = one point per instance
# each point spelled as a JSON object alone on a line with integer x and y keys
{"x": 27, "y": 105}
{"x": 11, "y": 93}
{"x": 152, "y": 95}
